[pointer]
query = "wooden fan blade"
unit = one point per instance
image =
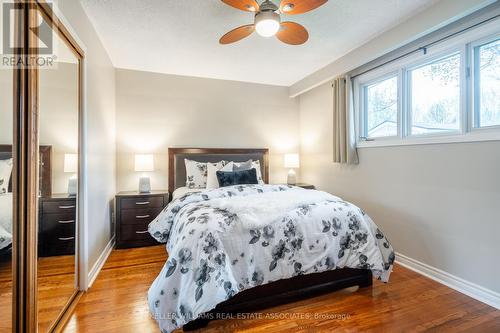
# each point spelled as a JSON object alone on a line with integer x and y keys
{"x": 237, "y": 34}
{"x": 246, "y": 5}
{"x": 292, "y": 33}
{"x": 293, "y": 7}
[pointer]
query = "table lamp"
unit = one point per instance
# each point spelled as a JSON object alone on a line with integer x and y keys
{"x": 71, "y": 166}
{"x": 292, "y": 162}
{"x": 144, "y": 163}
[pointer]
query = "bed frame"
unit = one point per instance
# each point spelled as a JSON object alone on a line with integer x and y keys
{"x": 275, "y": 293}
{"x": 45, "y": 168}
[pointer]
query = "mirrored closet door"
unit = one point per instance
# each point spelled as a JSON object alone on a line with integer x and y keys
{"x": 40, "y": 197}
{"x": 58, "y": 136}
{"x": 7, "y": 240}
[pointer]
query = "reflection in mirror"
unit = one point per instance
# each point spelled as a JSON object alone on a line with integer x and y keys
{"x": 58, "y": 98}
{"x": 6, "y": 199}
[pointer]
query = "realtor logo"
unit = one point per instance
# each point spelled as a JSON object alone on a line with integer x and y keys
{"x": 41, "y": 55}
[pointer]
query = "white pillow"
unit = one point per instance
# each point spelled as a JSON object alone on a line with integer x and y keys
{"x": 212, "y": 181}
{"x": 6, "y": 212}
{"x": 5, "y": 173}
{"x": 256, "y": 166}
{"x": 5, "y": 238}
{"x": 196, "y": 173}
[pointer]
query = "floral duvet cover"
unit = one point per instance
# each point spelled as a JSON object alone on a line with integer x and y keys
{"x": 223, "y": 241}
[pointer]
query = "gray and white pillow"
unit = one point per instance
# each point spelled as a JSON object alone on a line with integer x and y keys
{"x": 5, "y": 173}
{"x": 196, "y": 173}
{"x": 241, "y": 166}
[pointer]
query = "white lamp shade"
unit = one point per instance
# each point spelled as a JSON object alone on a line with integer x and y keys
{"x": 70, "y": 163}
{"x": 292, "y": 161}
{"x": 144, "y": 163}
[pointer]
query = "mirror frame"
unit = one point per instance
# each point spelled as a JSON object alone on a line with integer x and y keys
{"x": 25, "y": 169}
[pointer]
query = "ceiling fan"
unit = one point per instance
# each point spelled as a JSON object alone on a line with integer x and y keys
{"x": 268, "y": 20}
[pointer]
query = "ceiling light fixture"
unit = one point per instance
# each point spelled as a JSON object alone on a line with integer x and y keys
{"x": 267, "y": 20}
{"x": 267, "y": 24}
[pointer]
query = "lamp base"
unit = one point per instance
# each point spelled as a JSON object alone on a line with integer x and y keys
{"x": 292, "y": 177}
{"x": 144, "y": 185}
{"x": 72, "y": 186}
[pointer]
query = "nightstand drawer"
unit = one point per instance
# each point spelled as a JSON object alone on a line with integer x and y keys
{"x": 59, "y": 240}
{"x": 56, "y": 246}
{"x": 145, "y": 202}
{"x": 140, "y": 216}
{"x": 134, "y": 232}
{"x": 59, "y": 231}
{"x": 61, "y": 207}
{"x": 54, "y": 221}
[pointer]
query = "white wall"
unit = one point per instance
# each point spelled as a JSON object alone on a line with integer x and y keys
{"x": 6, "y": 106}
{"x": 58, "y": 118}
{"x": 158, "y": 111}
{"x": 438, "y": 204}
{"x": 100, "y": 131}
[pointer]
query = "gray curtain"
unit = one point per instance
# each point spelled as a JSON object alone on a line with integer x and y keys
{"x": 344, "y": 141}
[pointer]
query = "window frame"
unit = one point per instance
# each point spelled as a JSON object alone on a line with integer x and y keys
{"x": 463, "y": 44}
{"x": 362, "y": 116}
{"x": 435, "y": 57}
{"x": 474, "y": 84}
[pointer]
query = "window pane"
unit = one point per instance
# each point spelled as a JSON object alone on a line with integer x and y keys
{"x": 488, "y": 76}
{"x": 435, "y": 96}
{"x": 381, "y": 108}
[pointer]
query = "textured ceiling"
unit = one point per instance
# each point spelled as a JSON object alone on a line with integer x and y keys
{"x": 181, "y": 36}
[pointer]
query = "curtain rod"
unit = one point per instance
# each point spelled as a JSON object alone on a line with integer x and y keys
{"x": 426, "y": 46}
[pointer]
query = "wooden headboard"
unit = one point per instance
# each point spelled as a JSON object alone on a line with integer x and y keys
{"x": 176, "y": 156}
{"x": 45, "y": 170}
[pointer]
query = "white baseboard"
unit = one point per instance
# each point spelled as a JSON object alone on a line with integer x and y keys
{"x": 100, "y": 262}
{"x": 465, "y": 287}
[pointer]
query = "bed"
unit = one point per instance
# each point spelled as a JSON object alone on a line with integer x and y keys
{"x": 6, "y": 199}
{"x": 243, "y": 248}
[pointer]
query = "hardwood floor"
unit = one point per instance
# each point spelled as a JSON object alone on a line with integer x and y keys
{"x": 5, "y": 294}
{"x": 409, "y": 302}
{"x": 56, "y": 283}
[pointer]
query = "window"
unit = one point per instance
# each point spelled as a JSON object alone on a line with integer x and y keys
{"x": 381, "y": 102}
{"x": 487, "y": 84}
{"x": 446, "y": 92}
{"x": 435, "y": 96}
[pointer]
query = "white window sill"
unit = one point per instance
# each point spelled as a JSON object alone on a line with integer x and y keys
{"x": 475, "y": 136}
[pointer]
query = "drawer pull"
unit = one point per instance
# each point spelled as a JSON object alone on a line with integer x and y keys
{"x": 66, "y": 222}
{"x": 141, "y": 232}
{"x": 142, "y": 216}
{"x": 142, "y": 203}
{"x": 66, "y": 207}
{"x": 66, "y": 238}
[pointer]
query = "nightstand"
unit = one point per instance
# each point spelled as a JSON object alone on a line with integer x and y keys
{"x": 134, "y": 211}
{"x": 57, "y": 225}
{"x": 306, "y": 186}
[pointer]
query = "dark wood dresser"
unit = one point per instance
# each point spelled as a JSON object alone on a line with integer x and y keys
{"x": 134, "y": 211}
{"x": 57, "y": 225}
